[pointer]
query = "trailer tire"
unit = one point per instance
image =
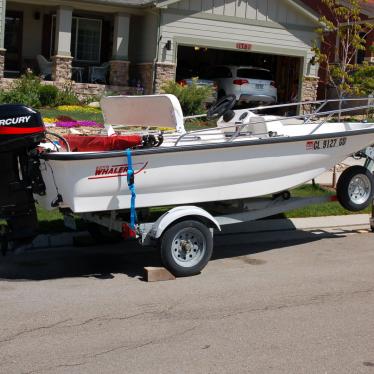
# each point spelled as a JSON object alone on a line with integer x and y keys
{"x": 355, "y": 188}
{"x": 186, "y": 248}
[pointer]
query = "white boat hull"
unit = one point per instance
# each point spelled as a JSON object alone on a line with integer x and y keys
{"x": 184, "y": 175}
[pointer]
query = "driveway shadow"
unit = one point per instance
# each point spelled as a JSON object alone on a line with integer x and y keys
{"x": 101, "y": 262}
{"x": 105, "y": 261}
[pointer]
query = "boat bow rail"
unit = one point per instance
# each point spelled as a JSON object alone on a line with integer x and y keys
{"x": 243, "y": 118}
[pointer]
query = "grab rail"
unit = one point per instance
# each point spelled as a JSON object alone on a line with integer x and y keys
{"x": 305, "y": 117}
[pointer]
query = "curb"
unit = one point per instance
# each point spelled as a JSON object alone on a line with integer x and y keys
{"x": 284, "y": 224}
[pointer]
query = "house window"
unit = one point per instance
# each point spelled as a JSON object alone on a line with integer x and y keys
{"x": 85, "y": 39}
{"x": 13, "y": 41}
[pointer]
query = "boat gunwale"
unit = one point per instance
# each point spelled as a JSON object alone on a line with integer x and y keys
{"x": 77, "y": 156}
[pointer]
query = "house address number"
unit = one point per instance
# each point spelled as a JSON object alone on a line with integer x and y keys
{"x": 245, "y": 46}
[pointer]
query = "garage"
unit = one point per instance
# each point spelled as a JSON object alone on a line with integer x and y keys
{"x": 194, "y": 35}
{"x": 285, "y": 71}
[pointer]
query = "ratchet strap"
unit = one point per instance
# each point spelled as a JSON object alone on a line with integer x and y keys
{"x": 131, "y": 184}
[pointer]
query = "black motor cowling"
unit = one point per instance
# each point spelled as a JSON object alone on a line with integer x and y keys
{"x": 21, "y": 130}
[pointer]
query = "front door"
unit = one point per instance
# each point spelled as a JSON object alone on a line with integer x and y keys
{"x": 13, "y": 42}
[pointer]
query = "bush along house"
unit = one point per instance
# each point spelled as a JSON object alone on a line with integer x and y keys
{"x": 132, "y": 46}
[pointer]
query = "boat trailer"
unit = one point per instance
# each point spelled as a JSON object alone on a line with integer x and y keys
{"x": 184, "y": 234}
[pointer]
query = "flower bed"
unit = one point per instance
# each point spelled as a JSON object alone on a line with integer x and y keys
{"x": 62, "y": 125}
{"x": 70, "y": 124}
{"x": 78, "y": 108}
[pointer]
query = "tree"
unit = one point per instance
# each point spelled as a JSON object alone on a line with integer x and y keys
{"x": 343, "y": 20}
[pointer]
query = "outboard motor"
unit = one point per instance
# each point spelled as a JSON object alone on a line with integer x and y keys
{"x": 21, "y": 130}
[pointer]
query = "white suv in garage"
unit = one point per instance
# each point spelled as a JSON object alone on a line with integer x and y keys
{"x": 249, "y": 84}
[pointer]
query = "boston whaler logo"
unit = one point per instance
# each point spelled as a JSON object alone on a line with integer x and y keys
{"x": 14, "y": 121}
{"x": 112, "y": 171}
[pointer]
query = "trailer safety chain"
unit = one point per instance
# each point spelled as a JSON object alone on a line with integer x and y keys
{"x": 131, "y": 184}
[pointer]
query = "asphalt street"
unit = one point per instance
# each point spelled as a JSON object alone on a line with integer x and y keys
{"x": 291, "y": 302}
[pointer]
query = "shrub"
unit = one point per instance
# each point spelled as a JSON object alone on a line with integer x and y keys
{"x": 92, "y": 98}
{"x": 192, "y": 97}
{"x": 25, "y": 91}
{"x": 363, "y": 80}
{"x": 48, "y": 95}
{"x": 66, "y": 96}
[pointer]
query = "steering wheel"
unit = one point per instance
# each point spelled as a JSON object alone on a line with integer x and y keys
{"x": 221, "y": 106}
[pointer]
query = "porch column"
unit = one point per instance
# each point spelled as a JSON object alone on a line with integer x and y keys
{"x": 119, "y": 65}
{"x": 2, "y": 33}
{"x": 62, "y": 61}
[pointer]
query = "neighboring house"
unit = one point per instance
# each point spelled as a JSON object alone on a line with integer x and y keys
{"x": 153, "y": 41}
{"x": 332, "y": 41}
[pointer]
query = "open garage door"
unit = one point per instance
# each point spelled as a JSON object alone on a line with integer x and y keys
{"x": 193, "y": 61}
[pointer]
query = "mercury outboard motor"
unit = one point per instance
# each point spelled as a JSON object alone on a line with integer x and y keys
{"x": 21, "y": 130}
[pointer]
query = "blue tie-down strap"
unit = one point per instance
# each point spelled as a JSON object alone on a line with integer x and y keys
{"x": 131, "y": 184}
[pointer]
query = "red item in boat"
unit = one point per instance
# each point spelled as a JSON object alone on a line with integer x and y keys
{"x": 82, "y": 143}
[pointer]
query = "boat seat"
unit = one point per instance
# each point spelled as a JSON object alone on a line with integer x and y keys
{"x": 84, "y": 143}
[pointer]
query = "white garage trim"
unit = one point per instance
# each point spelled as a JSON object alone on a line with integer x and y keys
{"x": 218, "y": 44}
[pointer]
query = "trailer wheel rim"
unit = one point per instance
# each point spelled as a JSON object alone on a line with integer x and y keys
{"x": 188, "y": 247}
{"x": 359, "y": 189}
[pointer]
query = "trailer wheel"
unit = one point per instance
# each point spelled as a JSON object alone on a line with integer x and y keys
{"x": 186, "y": 248}
{"x": 355, "y": 188}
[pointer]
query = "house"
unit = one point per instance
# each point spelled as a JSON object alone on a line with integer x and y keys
{"x": 149, "y": 42}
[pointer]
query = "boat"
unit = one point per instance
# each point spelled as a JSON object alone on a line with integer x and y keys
{"x": 104, "y": 178}
{"x": 247, "y": 155}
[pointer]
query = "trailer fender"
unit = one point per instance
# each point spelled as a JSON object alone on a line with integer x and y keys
{"x": 175, "y": 214}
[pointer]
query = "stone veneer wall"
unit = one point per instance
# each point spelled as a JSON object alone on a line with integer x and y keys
{"x": 309, "y": 88}
{"x": 61, "y": 68}
{"x": 164, "y": 72}
{"x": 119, "y": 72}
{"x": 83, "y": 90}
{"x": 144, "y": 72}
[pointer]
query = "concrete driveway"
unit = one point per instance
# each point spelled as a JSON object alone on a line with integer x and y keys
{"x": 297, "y": 302}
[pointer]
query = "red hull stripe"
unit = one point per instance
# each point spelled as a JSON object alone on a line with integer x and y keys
{"x": 20, "y": 130}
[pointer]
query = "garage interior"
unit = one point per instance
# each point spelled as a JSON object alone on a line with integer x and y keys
{"x": 194, "y": 61}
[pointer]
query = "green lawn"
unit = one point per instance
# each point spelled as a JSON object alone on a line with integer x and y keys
{"x": 79, "y": 116}
{"x": 318, "y": 210}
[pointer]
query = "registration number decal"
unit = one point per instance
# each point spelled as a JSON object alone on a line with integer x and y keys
{"x": 314, "y": 145}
